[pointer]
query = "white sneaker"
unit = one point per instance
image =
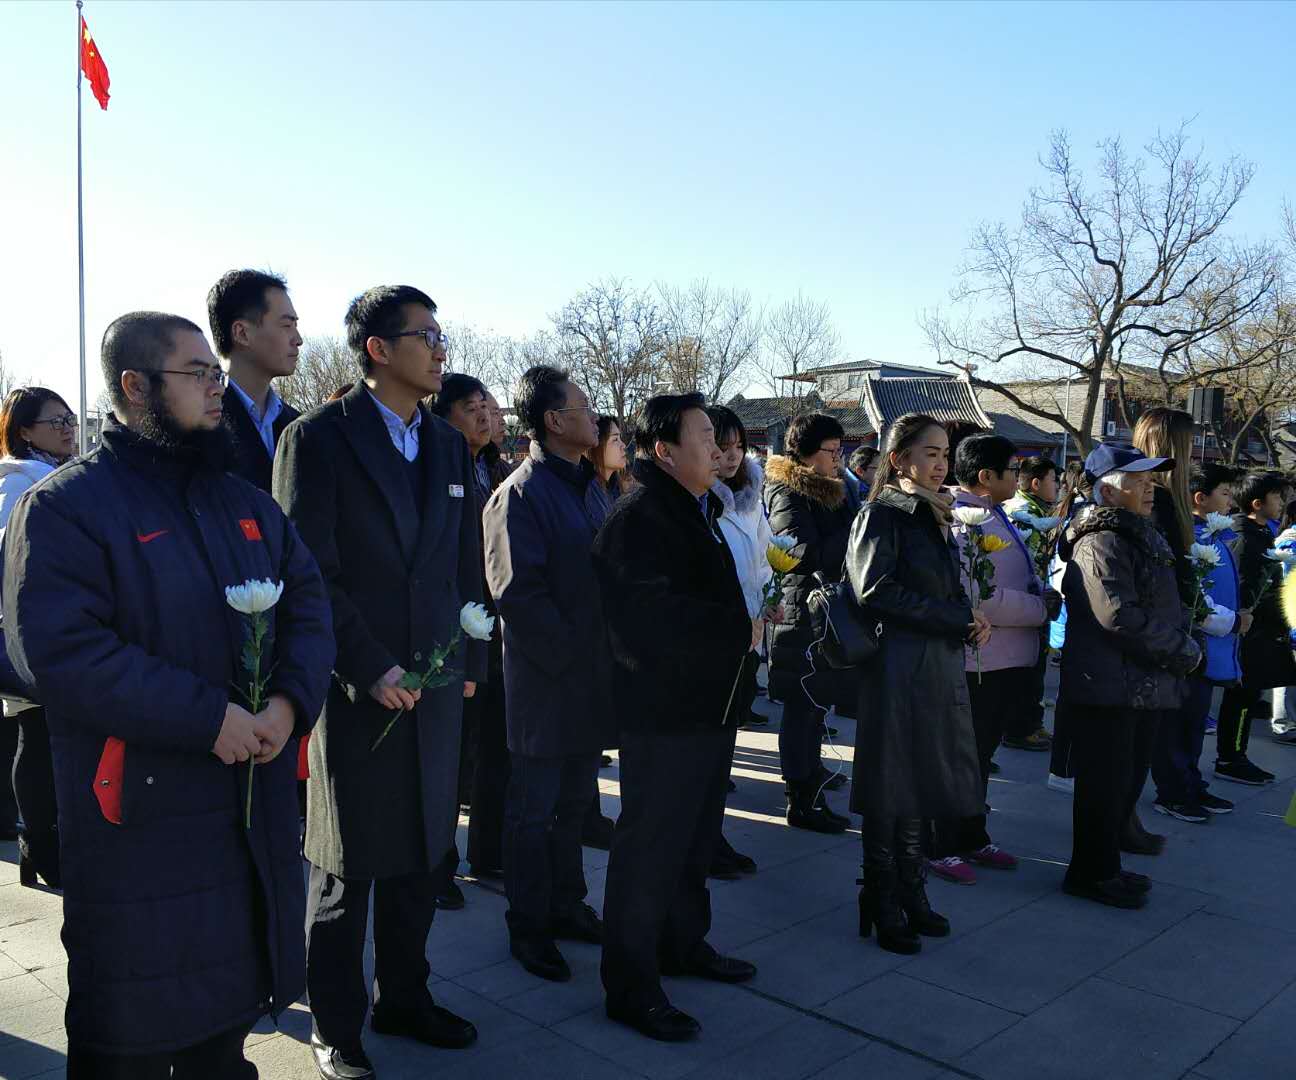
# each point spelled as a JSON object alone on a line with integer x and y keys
{"x": 1065, "y": 784}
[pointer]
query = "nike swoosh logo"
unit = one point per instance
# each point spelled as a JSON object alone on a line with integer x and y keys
{"x": 144, "y": 538}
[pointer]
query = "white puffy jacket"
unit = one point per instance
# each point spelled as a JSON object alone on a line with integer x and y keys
{"x": 747, "y": 531}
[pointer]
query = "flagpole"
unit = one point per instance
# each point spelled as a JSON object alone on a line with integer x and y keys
{"x": 81, "y": 240}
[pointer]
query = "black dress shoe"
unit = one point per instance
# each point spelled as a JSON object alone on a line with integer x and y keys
{"x": 1114, "y": 892}
{"x": 487, "y": 871}
{"x": 664, "y": 1022}
{"x": 580, "y": 924}
{"x": 428, "y": 1023}
{"x": 450, "y": 897}
{"x": 335, "y": 1063}
{"x": 605, "y": 761}
{"x": 597, "y": 832}
{"x": 709, "y": 964}
{"x": 540, "y": 957}
{"x": 1138, "y": 882}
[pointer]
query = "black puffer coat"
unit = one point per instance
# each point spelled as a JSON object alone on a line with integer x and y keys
{"x": 915, "y": 751}
{"x": 1267, "y": 658}
{"x": 1128, "y": 643}
{"x": 815, "y": 510}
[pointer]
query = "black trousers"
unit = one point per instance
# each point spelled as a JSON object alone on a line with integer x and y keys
{"x": 490, "y": 777}
{"x": 800, "y": 735}
{"x": 337, "y": 911}
{"x": 1233, "y": 732}
{"x": 657, "y": 904}
{"x": 33, "y": 786}
{"x": 544, "y": 872}
{"x": 218, "y": 1058}
{"x": 996, "y": 695}
{"x": 1179, "y": 745}
{"x": 8, "y": 751}
{"x": 1028, "y": 717}
{"x": 1112, "y": 749}
{"x": 1062, "y": 761}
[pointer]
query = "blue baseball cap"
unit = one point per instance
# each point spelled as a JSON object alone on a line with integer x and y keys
{"x": 1104, "y": 459}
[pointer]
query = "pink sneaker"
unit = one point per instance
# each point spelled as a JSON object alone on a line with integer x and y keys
{"x": 994, "y": 857}
{"x": 953, "y": 869}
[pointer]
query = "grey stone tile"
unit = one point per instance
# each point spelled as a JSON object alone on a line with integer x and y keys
{"x": 788, "y": 894}
{"x": 19, "y": 904}
{"x": 36, "y": 1055}
{"x": 1102, "y": 1029}
{"x": 55, "y": 978}
{"x": 883, "y": 1062}
{"x": 541, "y": 1055}
{"x": 8, "y": 862}
{"x": 1219, "y": 964}
{"x": 818, "y": 960}
{"x": 21, "y": 990}
{"x": 926, "y": 1018}
{"x": 35, "y": 943}
{"x": 1265, "y": 1046}
{"x": 1167, "y": 905}
{"x": 33, "y": 1018}
{"x": 549, "y": 1004}
{"x": 799, "y": 1049}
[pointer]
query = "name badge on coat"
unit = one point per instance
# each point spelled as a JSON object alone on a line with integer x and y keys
{"x": 456, "y": 491}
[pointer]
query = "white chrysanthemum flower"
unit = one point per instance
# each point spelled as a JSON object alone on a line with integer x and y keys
{"x": 784, "y": 543}
{"x": 1287, "y": 558}
{"x": 475, "y": 622}
{"x": 254, "y": 597}
{"x": 1204, "y": 554}
{"x": 971, "y": 516}
{"x": 1216, "y": 523}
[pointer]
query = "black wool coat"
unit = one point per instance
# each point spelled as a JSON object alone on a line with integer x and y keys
{"x": 1267, "y": 657}
{"x": 397, "y": 581}
{"x": 676, "y": 619}
{"x": 249, "y": 459}
{"x": 539, "y": 529}
{"x": 915, "y": 750}
{"x": 179, "y": 923}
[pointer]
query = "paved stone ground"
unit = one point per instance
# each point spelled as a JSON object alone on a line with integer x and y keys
{"x": 1033, "y": 984}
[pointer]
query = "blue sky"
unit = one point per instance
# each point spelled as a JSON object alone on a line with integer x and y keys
{"x": 501, "y": 156}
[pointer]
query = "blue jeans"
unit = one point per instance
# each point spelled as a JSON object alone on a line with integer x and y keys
{"x": 544, "y": 810}
{"x": 1179, "y": 747}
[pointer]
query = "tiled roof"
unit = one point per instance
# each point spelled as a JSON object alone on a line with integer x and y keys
{"x": 757, "y": 414}
{"x": 1021, "y": 432}
{"x": 948, "y": 400}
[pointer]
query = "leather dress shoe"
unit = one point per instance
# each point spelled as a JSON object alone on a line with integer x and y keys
{"x": 335, "y": 1063}
{"x": 540, "y": 957}
{"x": 450, "y": 897}
{"x": 663, "y": 1022}
{"x": 709, "y": 964}
{"x": 428, "y": 1023}
{"x": 580, "y": 924}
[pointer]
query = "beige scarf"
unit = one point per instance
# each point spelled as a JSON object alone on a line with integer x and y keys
{"x": 942, "y": 505}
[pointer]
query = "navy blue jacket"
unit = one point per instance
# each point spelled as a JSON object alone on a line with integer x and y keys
{"x": 539, "y": 527}
{"x": 179, "y": 923}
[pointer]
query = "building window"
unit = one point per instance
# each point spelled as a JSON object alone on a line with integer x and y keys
{"x": 854, "y": 382}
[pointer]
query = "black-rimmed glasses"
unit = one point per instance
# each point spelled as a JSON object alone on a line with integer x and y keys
{"x": 60, "y": 423}
{"x": 211, "y": 374}
{"x": 432, "y": 337}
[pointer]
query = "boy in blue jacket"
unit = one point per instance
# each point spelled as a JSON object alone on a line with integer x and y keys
{"x": 1181, "y": 791}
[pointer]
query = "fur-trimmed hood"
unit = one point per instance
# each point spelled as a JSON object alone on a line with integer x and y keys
{"x": 747, "y": 502}
{"x": 826, "y": 490}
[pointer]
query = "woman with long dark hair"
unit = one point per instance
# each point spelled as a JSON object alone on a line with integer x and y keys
{"x": 37, "y": 434}
{"x": 609, "y": 461}
{"x": 916, "y": 752}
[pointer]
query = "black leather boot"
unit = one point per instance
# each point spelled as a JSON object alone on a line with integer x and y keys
{"x": 912, "y": 871}
{"x": 808, "y": 810}
{"x": 878, "y": 905}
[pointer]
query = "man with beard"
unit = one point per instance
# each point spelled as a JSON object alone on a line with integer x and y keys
{"x": 254, "y": 327}
{"x": 382, "y": 491}
{"x": 181, "y": 918}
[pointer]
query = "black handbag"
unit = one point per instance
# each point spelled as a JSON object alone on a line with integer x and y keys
{"x": 845, "y": 636}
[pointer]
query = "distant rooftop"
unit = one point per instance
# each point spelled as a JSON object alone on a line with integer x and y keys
{"x": 854, "y": 367}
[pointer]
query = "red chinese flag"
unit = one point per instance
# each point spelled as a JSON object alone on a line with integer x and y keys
{"x": 93, "y": 66}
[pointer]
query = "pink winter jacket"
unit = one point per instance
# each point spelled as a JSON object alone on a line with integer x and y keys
{"x": 1016, "y": 610}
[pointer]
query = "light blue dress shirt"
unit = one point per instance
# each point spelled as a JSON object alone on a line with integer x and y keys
{"x": 263, "y": 424}
{"x": 405, "y": 437}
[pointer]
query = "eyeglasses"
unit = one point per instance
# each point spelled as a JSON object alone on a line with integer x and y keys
{"x": 836, "y": 454}
{"x": 206, "y": 372}
{"x": 60, "y": 423}
{"x": 432, "y": 337}
{"x": 577, "y": 408}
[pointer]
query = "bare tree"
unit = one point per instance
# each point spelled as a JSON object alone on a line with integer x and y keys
{"x": 1089, "y": 272}
{"x": 10, "y": 380}
{"x": 611, "y": 336}
{"x": 498, "y": 360}
{"x": 712, "y": 337}
{"x": 799, "y": 336}
{"x": 324, "y": 365}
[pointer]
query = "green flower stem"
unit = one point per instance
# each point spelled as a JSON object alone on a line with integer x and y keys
{"x": 256, "y": 690}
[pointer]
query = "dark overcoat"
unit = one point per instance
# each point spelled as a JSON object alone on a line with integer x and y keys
{"x": 399, "y": 566}
{"x": 915, "y": 750}
{"x": 539, "y": 527}
{"x": 179, "y": 923}
{"x": 249, "y": 459}
{"x": 676, "y": 619}
{"x": 1267, "y": 656}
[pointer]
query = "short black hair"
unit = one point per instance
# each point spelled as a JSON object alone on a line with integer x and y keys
{"x": 138, "y": 341}
{"x": 239, "y": 294}
{"x": 809, "y": 431}
{"x": 377, "y": 313}
{"x": 978, "y": 452}
{"x": 455, "y": 387}
{"x": 663, "y": 417}
{"x": 1037, "y": 468}
{"x": 540, "y": 389}
{"x": 1204, "y": 479}
{"x": 862, "y": 457}
{"x": 1257, "y": 486}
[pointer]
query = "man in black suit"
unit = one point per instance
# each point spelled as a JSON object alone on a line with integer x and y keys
{"x": 679, "y": 633}
{"x": 254, "y": 327}
{"x": 382, "y": 492}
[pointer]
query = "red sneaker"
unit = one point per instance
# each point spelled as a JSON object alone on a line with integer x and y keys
{"x": 992, "y": 856}
{"x": 953, "y": 869}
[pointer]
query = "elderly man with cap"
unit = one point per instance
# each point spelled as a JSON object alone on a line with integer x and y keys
{"x": 1128, "y": 652}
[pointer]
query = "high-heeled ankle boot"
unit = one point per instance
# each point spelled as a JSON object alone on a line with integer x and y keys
{"x": 878, "y": 906}
{"x": 911, "y": 887}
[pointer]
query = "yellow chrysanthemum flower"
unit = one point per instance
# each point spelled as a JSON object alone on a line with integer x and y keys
{"x": 991, "y": 544}
{"x": 781, "y": 562}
